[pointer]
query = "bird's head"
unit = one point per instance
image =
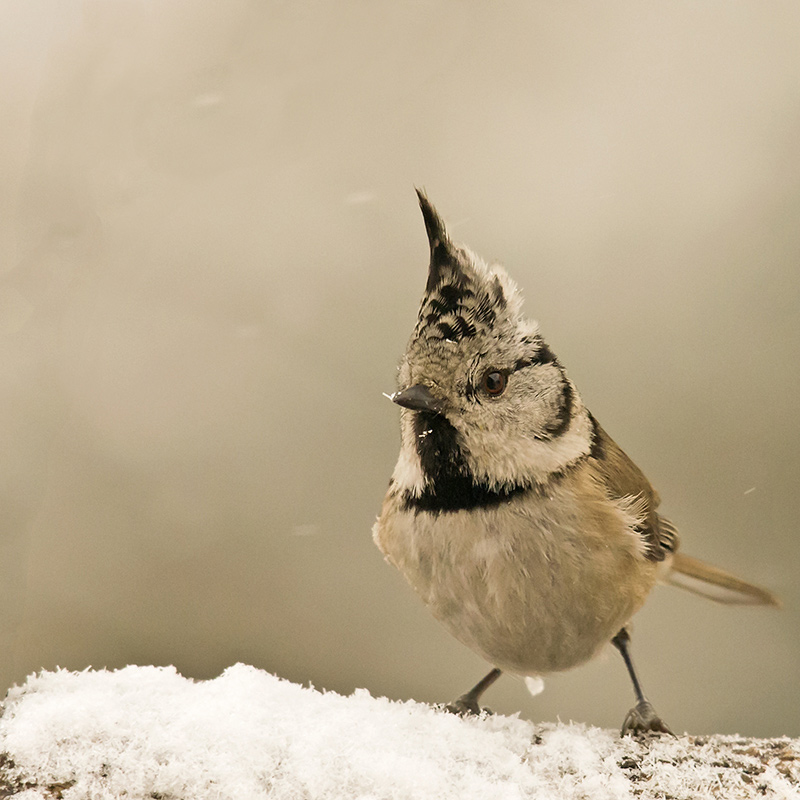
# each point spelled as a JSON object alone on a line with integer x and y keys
{"x": 484, "y": 396}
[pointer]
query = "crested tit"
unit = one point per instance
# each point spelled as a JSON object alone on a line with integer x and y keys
{"x": 520, "y": 523}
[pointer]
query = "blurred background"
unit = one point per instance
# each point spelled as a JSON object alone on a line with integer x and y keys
{"x": 212, "y": 258}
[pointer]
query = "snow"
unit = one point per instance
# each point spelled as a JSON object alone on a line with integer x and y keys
{"x": 534, "y": 684}
{"x": 147, "y": 732}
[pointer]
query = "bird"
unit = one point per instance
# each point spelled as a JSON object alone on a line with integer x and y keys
{"x": 523, "y": 527}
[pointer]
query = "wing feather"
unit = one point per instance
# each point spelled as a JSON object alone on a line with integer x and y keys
{"x": 622, "y": 478}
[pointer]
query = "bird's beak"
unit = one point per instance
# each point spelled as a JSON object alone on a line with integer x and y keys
{"x": 418, "y": 398}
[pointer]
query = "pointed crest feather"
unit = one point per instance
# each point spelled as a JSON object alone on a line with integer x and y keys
{"x": 444, "y": 254}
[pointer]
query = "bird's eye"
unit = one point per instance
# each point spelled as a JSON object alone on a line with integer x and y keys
{"x": 494, "y": 382}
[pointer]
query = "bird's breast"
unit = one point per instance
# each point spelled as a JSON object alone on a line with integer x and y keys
{"x": 536, "y": 584}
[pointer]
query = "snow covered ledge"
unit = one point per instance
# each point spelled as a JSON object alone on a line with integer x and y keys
{"x": 147, "y": 732}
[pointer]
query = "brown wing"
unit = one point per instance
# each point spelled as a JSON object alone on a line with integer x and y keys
{"x": 623, "y": 478}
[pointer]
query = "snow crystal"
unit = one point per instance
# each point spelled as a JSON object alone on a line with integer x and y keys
{"x": 534, "y": 684}
{"x": 147, "y": 732}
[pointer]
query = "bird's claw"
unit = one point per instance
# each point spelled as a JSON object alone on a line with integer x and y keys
{"x": 465, "y": 706}
{"x": 642, "y": 719}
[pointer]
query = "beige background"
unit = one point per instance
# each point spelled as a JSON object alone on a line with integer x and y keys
{"x": 212, "y": 258}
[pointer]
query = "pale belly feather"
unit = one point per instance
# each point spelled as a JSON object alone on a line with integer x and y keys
{"x": 532, "y": 587}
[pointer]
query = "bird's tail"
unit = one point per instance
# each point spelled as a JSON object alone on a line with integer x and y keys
{"x": 716, "y": 584}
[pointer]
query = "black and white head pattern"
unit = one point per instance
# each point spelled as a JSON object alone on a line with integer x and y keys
{"x": 508, "y": 418}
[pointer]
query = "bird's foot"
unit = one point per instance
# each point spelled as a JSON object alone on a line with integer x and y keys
{"x": 641, "y": 719}
{"x": 466, "y": 706}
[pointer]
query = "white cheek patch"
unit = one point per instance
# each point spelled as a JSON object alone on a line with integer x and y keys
{"x": 545, "y": 458}
{"x": 512, "y": 460}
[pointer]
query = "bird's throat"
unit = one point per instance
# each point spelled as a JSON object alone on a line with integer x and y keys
{"x": 449, "y": 483}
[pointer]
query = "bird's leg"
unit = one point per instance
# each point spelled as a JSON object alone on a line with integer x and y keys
{"x": 642, "y": 718}
{"x": 468, "y": 702}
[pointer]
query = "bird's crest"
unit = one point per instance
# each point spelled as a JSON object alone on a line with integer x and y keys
{"x": 463, "y": 296}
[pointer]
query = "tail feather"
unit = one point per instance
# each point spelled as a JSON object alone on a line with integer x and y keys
{"x": 716, "y": 584}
